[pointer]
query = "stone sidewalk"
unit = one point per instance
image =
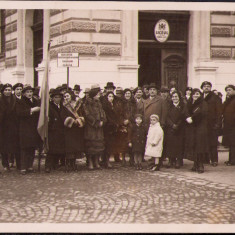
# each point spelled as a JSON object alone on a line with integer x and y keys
{"x": 120, "y": 196}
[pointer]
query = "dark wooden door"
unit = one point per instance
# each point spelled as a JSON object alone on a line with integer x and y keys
{"x": 37, "y": 41}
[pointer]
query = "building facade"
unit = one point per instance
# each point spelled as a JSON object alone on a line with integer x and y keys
{"x": 119, "y": 46}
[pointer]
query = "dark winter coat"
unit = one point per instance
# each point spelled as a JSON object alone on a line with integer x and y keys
{"x": 155, "y": 106}
{"x": 112, "y": 125}
{"x": 56, "y": 135}
{"x": 140, "y": 106}
{"x": 214, "y": 117}
{"x": 9, "y": 125}
{"x": 229, "y": 122}
{"x": 94, "y": 134}
{"x": 174, "y": 133}
{"x": 138, "y": 137}
{"x": 74, "y": 136}
{"x": 129, "y": 107}
{"x": 29, "y": 137}
{"x": 196, "y": 134}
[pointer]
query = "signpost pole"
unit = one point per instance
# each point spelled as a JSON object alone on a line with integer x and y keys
{"x": 67, "y": 78}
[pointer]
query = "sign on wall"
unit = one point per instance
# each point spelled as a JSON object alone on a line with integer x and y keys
{"x": 162, "y": 30}
{"x": 68, "y": 60}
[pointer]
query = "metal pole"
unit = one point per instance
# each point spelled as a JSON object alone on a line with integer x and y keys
{"x": 67, "y": 78}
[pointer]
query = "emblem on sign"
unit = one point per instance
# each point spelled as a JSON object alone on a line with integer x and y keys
{"x": 162, "y": 30}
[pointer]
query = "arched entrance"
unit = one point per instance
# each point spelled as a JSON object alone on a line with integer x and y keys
{"x": 37, "y": 28}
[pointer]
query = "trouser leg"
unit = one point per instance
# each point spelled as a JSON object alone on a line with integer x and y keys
{"x": 49, "y": 161}
{"x": 17, "y": 157}
{"x": 214, "y": 154}
{"x": 232, "y": 155}
{"x": 5, "y": 162}
{"x": 31, "y": 153}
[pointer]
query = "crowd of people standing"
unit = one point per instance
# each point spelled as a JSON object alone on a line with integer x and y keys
{"x": 144, "y": 123}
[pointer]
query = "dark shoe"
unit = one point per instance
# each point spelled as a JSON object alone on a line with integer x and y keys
{"x": 214, "y": 164}
{"x": 140, "y": 167}
{"x": 31, "y": 170}
{"x": 194, "y": 168}
{"x": 228, "y": 164}
{"x": 47, "y": 170}
{"x": 168, "y": 165}
{"x": 200, "y": 168}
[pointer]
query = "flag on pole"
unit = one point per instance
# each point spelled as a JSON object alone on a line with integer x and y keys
{"x": 44, "y": 110}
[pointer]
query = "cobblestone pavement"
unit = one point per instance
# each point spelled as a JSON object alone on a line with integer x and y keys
{"x": 120, "y": 195}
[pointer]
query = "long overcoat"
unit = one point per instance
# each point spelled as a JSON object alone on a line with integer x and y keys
{"x": 56, "y": 135}
{"x": 155, "y": 106}
{"x": 174, "y": 133}
{"x": 140, "y": 106}
{"x": 214, "y": 117}
{"x": 29, "y": 137}
{"x": 94, "y": 134}
{"x": 9, "y": 125}
{"x": 74, "y": 136}
{"x": 229, "y": 122}
{"x": 196, "y": 133}
{"x": 112, "y": 125}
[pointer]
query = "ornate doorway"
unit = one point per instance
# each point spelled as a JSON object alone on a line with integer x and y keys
{"x": 164, "y": 63}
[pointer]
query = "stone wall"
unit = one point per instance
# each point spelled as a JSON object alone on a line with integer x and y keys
{"x": 222, "y": 35}
{"x": 91, "y": 33}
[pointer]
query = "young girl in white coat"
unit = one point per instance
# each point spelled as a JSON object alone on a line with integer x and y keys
{"x": 154, "y": 144}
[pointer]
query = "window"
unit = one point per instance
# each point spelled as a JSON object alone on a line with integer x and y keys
{"x": 2, "y": 33}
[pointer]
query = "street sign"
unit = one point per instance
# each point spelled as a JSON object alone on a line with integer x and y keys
{"x": 162, "y": 30}
{"x": 68, "y": 60}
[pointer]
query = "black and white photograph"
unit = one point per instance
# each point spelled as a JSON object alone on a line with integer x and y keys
{"x": 117, "y": 117}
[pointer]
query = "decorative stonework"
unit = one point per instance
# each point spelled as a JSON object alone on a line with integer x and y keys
{"x": 11, "y": 28}
{"x": 221, "y": 53}
{"x": 221, "y": 12}
{"x": 109, "y": 28}
{"x": 10, "y": 62}
{"x": 110, "y": 51}
{"x": 74, "y": 26}
{"x": 233, "y": 53}
{"x": 10, "y": 12}
{"x": 56, "y": 11}
{"x": 221, "y": 31}
{"x": 55, "y": 31}
{"x": 11, "y": 45}
{"x": 81, "y": 49}
{"x": 84, "y": 49}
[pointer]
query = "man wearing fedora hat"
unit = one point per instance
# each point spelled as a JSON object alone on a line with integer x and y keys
{"x": 155, "y": 105}
{"x": 214, "y": 121}
{"x": 76, "y": 90}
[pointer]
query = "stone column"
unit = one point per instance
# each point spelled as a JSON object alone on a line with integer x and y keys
{"x": 18, "y": 73}
{"x": 128, "y": 67}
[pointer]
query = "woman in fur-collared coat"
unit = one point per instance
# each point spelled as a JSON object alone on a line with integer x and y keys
{"x": 72, "y": 116}
{"x": 94, "y": 134}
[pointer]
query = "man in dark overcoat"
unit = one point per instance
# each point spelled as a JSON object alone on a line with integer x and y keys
{"x": 56, "y": 139}
{"x": 155, "y": 105}
{"x": 27, "y": 110}
{"x": 138, "y": 94}
{"x": 9, "y": 128}
{"x": 229, "y": 123}
{"x": 214, "y": 120}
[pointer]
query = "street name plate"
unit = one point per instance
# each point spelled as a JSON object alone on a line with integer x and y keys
{"x": 68, "y": 60}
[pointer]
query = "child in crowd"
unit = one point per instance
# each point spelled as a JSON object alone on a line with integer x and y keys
{"x": 137, "y": 140}
{"x": 154, "y": 144}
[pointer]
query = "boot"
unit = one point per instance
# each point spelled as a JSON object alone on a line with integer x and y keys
{"x": 90, "y": 162}
{"x": 177, "y": 165}
{"x": 123, "y": 159}
{"x": 195, "y": 166}
{"x": 96, "y": 161}
{"x": 116, "y": 158}
{"x": 200, "y": 164}
{"x": 107, "y": 163}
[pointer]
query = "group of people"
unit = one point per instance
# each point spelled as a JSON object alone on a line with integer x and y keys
{"x": 143, "y": 122}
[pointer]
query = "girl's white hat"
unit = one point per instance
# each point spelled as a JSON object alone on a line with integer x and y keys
{"x": 155, "y": 116}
